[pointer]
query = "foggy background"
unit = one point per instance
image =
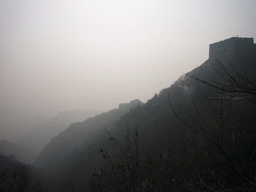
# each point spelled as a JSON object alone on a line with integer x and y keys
{"x": 94, "y": 54}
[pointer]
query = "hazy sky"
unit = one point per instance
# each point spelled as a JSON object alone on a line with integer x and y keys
{"x": 59, "y": 55}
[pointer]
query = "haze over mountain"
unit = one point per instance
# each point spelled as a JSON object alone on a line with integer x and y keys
{"x": 11, "y": 149}
{"x": 27, "y": 145}
{"x": 66, "y": 55}
{"x": 20, "y": 128}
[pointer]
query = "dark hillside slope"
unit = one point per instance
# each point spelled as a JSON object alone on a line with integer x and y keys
{"x": 217, "y": 129}
{"x": 54, "y": 154}
{"x": 212, "y": 148}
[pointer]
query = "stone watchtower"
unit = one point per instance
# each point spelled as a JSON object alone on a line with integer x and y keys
{"x": 230, "y": 48}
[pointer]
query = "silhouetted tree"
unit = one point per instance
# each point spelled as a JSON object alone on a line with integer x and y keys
{"x": 232, "y": 81}
{"x": 129, "y": 170}
{"x": 22, "y": 177}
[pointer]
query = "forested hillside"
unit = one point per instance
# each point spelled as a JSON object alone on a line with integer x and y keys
{"x": 197, "y": 135}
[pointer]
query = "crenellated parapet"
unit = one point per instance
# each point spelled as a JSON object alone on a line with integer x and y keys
{"x": 230, "y": 48}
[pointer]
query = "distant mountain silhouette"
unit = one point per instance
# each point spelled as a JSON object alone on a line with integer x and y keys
{"x": 7, "y": 148}
{"x": 39, "y": 136}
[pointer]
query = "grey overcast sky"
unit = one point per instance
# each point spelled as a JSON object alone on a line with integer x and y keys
{"x": 94, "y": 54}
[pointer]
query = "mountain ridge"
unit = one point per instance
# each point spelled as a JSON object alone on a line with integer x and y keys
{"x": 160, "y": 132}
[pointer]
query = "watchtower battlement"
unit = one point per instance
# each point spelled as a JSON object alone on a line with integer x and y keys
{"x": 230, "y": 48}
